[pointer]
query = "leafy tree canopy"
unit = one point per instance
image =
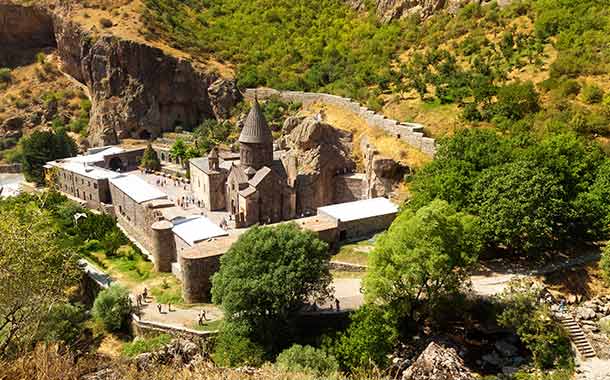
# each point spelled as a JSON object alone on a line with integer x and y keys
{"x": 421, "y": 259}
{"x": 41, "y": 147}
{"x": 267, "y": 276}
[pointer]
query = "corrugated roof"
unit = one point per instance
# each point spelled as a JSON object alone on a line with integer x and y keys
{"x": 367, "y": 208}
{"x": 137, "y": 189}
{"x": 197, "y": 229}
{"x": 256, "y": 130}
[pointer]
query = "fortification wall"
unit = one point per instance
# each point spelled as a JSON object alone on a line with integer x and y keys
{"x": 411, "y": 133}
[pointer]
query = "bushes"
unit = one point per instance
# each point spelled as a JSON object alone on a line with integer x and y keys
{"x": 112, "y": 308}
{"x": 106, "y": 23}
{"x": 369, "y": 339}
{"x": 233, "y": 348}
{"x": 142, "y": 345}
{"x": 307, "y": 359}
{"x": 533, "y": 322}
{"x": 592, "y": 94}
{"x": 5, "y": 75}
{"x": 604, "y": 264}
{"x": 64, "y": 323}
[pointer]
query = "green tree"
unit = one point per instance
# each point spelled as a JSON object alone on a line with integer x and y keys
{"x": 36, "y": 268}
{"x": 112, "y": 308}
{"x": 267, "y": 276}
{"x": 421, "y": 259}
{"x": 370, "y": 338}
{"x": 535, "y": 326}
{"x": 521, "y": 206}
{"x": 306, "y": 359}
{"x": 41, "y": 147}
{"x": 516, "y": 100}
{"x": 150, "y": 159}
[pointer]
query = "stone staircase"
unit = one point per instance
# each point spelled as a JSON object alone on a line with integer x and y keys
{"x": 578, "y": 337}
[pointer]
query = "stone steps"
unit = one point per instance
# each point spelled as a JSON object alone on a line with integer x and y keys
{"x": 578, "y": 337}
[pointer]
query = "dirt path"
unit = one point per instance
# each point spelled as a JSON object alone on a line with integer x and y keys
{"x": 594, "y": 369}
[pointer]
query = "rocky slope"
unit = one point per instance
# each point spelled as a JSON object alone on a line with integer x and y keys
{"x": 388, "y": 10}
{"x": 136, "y": 90}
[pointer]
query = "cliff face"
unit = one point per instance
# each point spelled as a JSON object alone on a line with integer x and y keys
{"x": 21, "y": 29}
{"x": 388, "y": 10}
{"x": 137, "y": 91}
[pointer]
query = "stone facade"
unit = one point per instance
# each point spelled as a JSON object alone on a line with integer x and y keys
{"x": 197, "y": 275}
{"x": 349, "y": 187}
{"x": 93, "y": 192}
{"x": 208, "y": 181}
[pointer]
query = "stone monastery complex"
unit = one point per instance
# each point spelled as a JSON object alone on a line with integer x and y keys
{"x": 185, "y": 227}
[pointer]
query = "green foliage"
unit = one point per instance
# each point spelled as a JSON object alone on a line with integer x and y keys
{"x": 150, "y": 159}
{"x": 41, "y": 147}
{"x": 5, "y": 75}
{"x": 422, "y": 259}
{"x": 371, "y": 336}
{"x": 604, "y": 264}
{"x": 112, "y": 307}
{"x": 267, "y": 276}
{"x": 233, "y": 347}
{"x": 64, "y": 323}
{"x": 544, "y": 338}
{"x": 515, "y": 101}
{"x": 141, "y": 345}
{"x": 212, "y": 133}
{"x": 530, "y": 194}
{"x": 592, "y": 94}
{"x": 306, "y": 359}
{"x": 39, "y": 267}
{"x": 297, "y": 45}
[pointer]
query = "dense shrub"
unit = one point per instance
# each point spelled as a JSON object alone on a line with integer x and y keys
{"x": 592, "y": 94}
{"x": 63, "y": 323}
{"x": 233, "y": 347}
{"x": 5, "y": 75}
{"x": 307, "y": 359}
{"x": 112, "y": 308}
{"x": 142, "y": 345}
{"x": 371, "y": 336}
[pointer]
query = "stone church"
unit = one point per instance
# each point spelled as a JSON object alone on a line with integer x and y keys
{"x": 254, "y": 189}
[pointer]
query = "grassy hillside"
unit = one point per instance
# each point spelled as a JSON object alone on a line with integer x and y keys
{"x": 446, "y": 71}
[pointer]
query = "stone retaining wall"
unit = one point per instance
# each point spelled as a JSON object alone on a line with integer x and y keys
{"x": 411, "y": 133}
{"x": 10, "y": 168}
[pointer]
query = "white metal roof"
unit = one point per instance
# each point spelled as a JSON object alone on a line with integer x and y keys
{"x": 90, "y": 171}
{"x": 363, "y": 209}
{"x": 197, "y": 229}
{"x": 97, "y": 157}
{"x": 136, "y": 188}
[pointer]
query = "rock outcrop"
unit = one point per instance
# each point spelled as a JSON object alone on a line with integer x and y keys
{"x": 23, "y": 28}
{"x": 438, "y": 363}
{"x": 388, "y": 10}
{"x": 137, "y": 91}
{"x": 224, "y": 96}
{"x": 317, "y": 152}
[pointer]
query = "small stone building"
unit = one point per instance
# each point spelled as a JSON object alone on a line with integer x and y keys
{"x": 135, "y": 204}
{"x": 361, "y": 219}
{"x": 208, "y": 180}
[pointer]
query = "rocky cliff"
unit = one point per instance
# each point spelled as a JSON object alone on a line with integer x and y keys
{"x": 388, "y": 10}
{"x": 23, "y": 28}
{"x": 137, "y": 90}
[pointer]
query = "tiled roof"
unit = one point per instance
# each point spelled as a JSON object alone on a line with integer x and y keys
{"x": 256, "y": 130}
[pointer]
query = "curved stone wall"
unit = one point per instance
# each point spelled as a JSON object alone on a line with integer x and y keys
{"x": 411, "y": 133}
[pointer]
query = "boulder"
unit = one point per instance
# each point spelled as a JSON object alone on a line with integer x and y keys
{"x": 505, "y": 349}
{"x": 585, "y": 313}
{"x": 224, "y": 95}
{"x": 437, "y": 362}
{"x": 12, "y": 127}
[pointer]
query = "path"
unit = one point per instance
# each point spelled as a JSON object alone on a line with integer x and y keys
{"x": 492, "y": 282}
{"x": 594, "y": 369}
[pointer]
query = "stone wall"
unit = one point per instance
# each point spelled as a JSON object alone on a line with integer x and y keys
{"x": 10, "y": 168}
{"x": 349, "y": 187}
{"x": 363, "y": 228}
{"x": 93, "y": 192}
{"x": 411, "y": 133}
{"x": 197, "y": 277}
{"x": 134, "y": 217}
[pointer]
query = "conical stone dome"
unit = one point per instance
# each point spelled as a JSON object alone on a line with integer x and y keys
{"x": 256, "y": 130}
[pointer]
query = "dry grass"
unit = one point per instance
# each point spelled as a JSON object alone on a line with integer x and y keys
{"x": 386, "y": 145}
{"x": 584, "y": 281}
{"x": 50, "y": 363}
